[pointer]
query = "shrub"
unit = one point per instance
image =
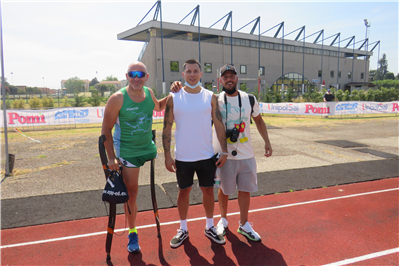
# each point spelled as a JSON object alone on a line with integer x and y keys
{"x": 47, "y": 102}
{"x": 362, "y": 95}
{"x": 65, "y": 102}
{"x": 347, "y": 96}
{"x": 355, "y": 95}
{"x": 35, "y": 102}
{"x": 339, "y": 95}
{"x": 18, "y": 104}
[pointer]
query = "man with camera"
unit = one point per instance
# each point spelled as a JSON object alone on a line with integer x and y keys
{"x": 193, "y": 108}
{"x": 240, "y": 168}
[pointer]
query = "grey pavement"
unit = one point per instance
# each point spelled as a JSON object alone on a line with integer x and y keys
{"x": 304, "y": 157}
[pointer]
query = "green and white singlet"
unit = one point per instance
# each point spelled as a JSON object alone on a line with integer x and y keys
{"x": 133, "y": 128}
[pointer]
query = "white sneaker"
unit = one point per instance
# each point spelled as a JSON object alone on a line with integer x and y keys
{"x": 222, "y": 225}
{"x": 247, "y": 231}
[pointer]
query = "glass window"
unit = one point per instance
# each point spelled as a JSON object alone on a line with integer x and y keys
{"x": 262, "y": 70}
{"x": 339, "y": 74}
{"x": 243, "y": 69}
{"x": 349, "y": 75}
{"x": 319, "y": 74}
{"x": 277, "y": 46}
{"x": 331, "y": 73}
{"x": 174, "y": 66}
{"x": 208, "y": 68}
{"x": 361, "y": 75}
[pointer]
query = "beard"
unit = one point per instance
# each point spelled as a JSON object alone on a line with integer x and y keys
{"x": 230, "y": 91}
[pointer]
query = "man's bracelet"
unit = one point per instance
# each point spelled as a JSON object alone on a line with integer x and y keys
{"x": 225, "y": 153}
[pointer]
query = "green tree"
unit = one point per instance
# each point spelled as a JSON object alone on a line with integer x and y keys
{"x": 93, "y": 82}
{"x": 79, "y": 100}
{"x": 74, "y": 84}
{"x": 383, "y": 69}
{"x": 372, "y": 74}
{"x": 33, "y": 90}
{"x": 111, "y": 78}
{"x": 289, "y": 95}
{"x": 277, "y": 96}
{"x": 389, "y": 75}
{"x": 243, "y": 87}
{"x": 95, "y": 99}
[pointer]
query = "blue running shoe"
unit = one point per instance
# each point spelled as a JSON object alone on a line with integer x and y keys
{"x": 133, "y": 246}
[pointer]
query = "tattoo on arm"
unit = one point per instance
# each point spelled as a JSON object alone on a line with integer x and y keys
{"x": 167, "y": 127}
{"x": 217, "y": 113}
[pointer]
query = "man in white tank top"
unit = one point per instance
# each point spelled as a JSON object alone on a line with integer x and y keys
{"x": 192, "y": 109}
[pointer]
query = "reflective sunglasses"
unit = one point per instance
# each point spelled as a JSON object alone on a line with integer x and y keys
{"x": 139, "y": 74}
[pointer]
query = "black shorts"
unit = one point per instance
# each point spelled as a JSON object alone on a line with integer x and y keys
{"x": 205, "y": 170}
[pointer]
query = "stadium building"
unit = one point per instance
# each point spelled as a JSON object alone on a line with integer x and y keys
{"x": 280, "y": 63}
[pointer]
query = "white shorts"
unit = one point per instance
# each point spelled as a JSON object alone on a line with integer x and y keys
{"x": 240, "y": 174}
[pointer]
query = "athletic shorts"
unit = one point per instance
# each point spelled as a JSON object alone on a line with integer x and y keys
{"x": 205, "y": 170}
{"x": 240, "y": 174}
{"x": 135, "y": 162}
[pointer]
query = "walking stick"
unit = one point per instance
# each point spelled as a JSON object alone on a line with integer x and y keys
{"x": 152, "y": 185}
{"x": 112, "y": 206}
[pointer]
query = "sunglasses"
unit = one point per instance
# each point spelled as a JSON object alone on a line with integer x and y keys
{"x": 139, "y": 74}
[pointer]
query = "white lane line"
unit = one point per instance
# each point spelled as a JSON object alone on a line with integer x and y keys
{"x": 365, "y": 257}
{"x": 196, "y": 219}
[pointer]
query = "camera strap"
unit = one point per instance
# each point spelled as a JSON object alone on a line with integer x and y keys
{"x": 239, "y": 105}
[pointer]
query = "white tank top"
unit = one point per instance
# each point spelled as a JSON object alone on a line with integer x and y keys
{"x": 193, "y": 118}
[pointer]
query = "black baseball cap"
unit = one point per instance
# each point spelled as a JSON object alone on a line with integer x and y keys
{"x": 228, "y": 67}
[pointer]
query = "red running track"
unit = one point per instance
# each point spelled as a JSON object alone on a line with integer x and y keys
{"x": 354, "y": 224}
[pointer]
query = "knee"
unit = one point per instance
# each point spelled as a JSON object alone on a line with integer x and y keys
{"x": 208, "y": 191}
{"x": 184, "y": 193}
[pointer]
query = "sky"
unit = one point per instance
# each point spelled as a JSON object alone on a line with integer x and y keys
{"x": 45, "y": 42}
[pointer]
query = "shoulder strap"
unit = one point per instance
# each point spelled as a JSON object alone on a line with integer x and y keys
{"x": 252, "y": 102}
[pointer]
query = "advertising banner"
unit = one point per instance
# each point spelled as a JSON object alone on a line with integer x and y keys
{"x": 86, "y": 115}
{"x": 330, "y": 108}
{"x": 60, "y": 116}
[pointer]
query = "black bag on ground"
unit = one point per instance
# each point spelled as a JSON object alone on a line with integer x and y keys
{"x": 115, "y": 190}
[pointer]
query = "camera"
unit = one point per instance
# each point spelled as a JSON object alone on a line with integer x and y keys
{"x": 232, "y": 134}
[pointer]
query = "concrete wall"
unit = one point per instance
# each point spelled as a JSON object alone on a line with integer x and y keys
{"x": 220, "y": 54}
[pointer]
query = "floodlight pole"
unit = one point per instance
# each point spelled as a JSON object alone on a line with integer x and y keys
{"x": 163, "y": 68}
{"x": 3, "y": 93}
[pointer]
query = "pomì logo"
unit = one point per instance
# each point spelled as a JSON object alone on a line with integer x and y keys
{"x": 317, "y": 110}
{"x": 31, "y": 119}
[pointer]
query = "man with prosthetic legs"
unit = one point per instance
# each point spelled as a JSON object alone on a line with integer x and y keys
{"x": 130, "y": 111}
